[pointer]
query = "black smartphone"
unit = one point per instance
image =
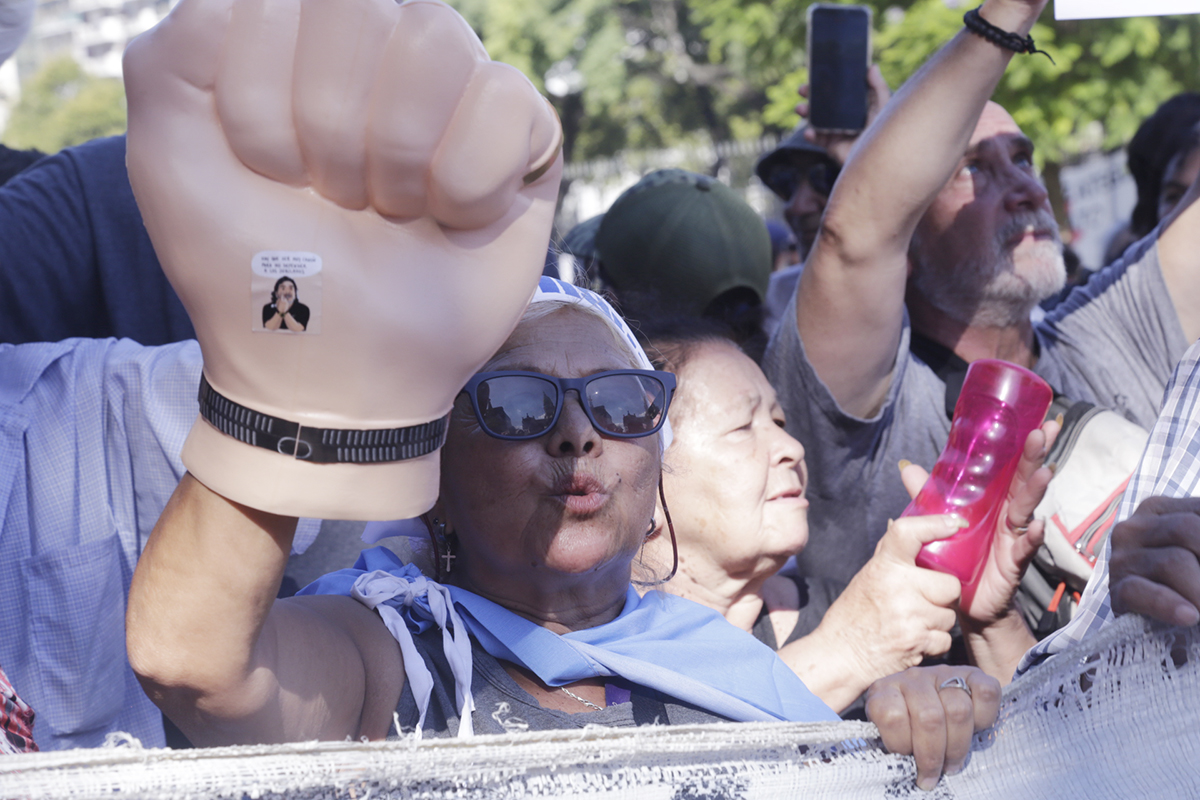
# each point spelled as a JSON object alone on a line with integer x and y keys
{"x": 839, "y": 55}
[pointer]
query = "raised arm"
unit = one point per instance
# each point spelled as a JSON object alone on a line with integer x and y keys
{"x": 850, "y": 304}
{"x": 370, "y": 152}
{"x": 227, "y": 662}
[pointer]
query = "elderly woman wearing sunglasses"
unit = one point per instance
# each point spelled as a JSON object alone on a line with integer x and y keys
{"x": 549, "y": 478}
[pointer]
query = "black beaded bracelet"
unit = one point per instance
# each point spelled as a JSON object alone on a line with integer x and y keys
{"x": 979, "y": 26}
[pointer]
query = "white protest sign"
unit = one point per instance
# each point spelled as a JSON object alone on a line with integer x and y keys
{"x": 1100, "y": 194}
{"x": 1097, "y": 9}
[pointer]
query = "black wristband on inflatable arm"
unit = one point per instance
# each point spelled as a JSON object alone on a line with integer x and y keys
{"x": 319, "y": 445}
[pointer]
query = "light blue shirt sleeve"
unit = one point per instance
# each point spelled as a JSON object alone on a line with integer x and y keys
{"x": 90, "y": 435}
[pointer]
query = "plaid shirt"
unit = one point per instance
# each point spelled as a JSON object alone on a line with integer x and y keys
{"x": 16, "y": 721}
{"x": 1170, "y": 467}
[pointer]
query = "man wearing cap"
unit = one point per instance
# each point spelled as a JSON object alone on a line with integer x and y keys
{"x": 935, "y": 246}
{"x": 801, "y": 172}
{"x": 685, "y": 244}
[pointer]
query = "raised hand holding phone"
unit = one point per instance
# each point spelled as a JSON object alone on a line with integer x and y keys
{"x": 839, "y": 56}
{"x": 838, "y": 145}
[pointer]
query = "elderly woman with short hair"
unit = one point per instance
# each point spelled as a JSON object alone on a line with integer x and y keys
{"x": 737, "y": 482}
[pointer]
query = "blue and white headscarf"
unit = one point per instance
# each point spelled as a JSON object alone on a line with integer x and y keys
{"x": 548, "y": 290}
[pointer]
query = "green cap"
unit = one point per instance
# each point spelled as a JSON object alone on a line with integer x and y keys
{"x": 580, "y": 241}
{"x": 685, "y": 237}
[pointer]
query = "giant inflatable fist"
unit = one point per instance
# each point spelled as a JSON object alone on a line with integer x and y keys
{"x": 354, "y": 204}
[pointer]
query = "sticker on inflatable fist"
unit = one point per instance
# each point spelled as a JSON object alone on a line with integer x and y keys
{"x": 285, "y": 292}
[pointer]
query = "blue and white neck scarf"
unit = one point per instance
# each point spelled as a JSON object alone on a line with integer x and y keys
{"x": 659, "y": 641}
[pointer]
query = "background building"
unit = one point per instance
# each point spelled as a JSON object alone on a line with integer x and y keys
{"x": 93, "y": 33}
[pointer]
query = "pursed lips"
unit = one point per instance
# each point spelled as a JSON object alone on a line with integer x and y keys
{"x": 581, "y": 494}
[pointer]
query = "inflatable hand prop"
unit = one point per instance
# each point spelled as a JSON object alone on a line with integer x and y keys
{"x": 354, "y": 204}
{"x": 1000, "y": 404}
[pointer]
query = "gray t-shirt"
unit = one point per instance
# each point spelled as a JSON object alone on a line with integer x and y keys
{"x": 780, "y": 291}
{"x": 501, "y": 706}
{"x": 1113, "y": 342}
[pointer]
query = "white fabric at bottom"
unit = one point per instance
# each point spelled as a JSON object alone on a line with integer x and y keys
{"x": 1114, "y": 717}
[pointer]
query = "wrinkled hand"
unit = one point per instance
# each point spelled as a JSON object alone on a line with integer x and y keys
{"x": 1155, "y": 565}
{"x": 380, "y": 138}
{"x": 838, "y": 145}
{"x": 894, "y": 613}
{"x": 935, "y": 725}
{"x": 1018, "y": 534}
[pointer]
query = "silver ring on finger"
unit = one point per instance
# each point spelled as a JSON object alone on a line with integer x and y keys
{"x": 1021, "y": 529}
{"x": 956, "y": 683}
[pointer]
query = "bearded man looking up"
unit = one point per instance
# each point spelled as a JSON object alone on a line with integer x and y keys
{"x": 936, "y": 244}
{"x": 988, "y": 248}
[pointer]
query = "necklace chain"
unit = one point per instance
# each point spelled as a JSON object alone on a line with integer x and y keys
{"x": 587, "y": 703}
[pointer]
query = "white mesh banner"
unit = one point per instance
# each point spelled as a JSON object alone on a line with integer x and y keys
{"x": 1117, "y": 717}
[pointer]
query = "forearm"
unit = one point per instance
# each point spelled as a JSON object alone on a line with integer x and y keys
{"x": 997, "y": 648}
{"x": 856, "y": 275}
{"x": 201, "y": 593}
{"x": 890, "y": 616}
{"x": 828, "y": 668}
{"x": 904, "y": 159}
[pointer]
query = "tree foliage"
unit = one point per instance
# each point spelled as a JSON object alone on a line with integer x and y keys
{"x": 62, "y": 106}
{"x": 623, "y": 74}
{"x": 636, "y": 74}
{"x": 1106, "y": 76}
{"x": 653, "y": 73}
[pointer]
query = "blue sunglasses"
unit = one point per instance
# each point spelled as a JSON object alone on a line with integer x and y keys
{"x": 623, "y": 403}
